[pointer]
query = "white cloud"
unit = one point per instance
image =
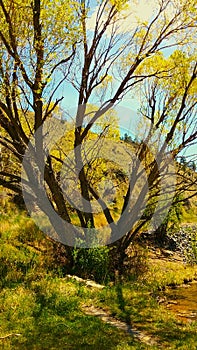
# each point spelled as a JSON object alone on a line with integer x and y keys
{"x": 143, "y": 10}
{"x": 137, "y": 11}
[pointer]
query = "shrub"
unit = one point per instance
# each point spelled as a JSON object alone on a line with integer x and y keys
{"x": 92, "y": 262}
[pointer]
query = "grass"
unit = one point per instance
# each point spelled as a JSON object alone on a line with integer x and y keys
{"x": 40, "y": 309}
{"x": 47, "y": 315}
{"x": 163, "y": 273}
{"x": 137, "y": 305}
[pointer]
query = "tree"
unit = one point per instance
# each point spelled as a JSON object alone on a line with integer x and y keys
{"x": 46, "y": 45}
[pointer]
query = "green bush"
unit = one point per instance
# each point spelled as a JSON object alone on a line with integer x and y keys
{"x": 92, "y": 262}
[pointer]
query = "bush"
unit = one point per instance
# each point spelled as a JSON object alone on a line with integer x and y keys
{"x": 92, "y": 262}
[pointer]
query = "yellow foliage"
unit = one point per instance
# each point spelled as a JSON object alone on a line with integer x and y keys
{"x": 119, "y": 4}
{"x": 59, "y": 28}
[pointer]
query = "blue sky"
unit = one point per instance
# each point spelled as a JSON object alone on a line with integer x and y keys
{"x": 128, "y": 107}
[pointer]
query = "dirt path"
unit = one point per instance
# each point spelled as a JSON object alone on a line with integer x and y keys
{"x": 107, "y": 318}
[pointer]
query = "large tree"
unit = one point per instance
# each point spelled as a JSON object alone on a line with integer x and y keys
{"x": 104, "y": 51}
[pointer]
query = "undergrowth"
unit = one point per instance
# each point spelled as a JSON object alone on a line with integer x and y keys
{"x": 42, "y": 309}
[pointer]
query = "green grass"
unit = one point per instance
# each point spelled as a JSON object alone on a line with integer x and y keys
{"x": 39, "y": 309}
{"x": 162, "y": 273}
{"x": 138, "y": 306}
{"x": 45, "y": 309}
{"x": 47, "y": 315}
{"x": 47, "y": 318}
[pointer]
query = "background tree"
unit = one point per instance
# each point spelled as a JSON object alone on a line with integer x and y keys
{"x": 46, "y": 45}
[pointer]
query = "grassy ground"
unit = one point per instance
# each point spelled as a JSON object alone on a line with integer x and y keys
{"x": 47, "y": 316}
{"x": 41, "y": 309}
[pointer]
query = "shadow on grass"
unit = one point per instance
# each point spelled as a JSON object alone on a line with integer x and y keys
{"x": 50, "y": 320}
{"x": 122, "y": 303}
{"x": 81, "y": 332}
{"x": 138, "y": 308}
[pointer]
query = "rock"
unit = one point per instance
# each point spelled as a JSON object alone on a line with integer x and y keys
{"x": 88, "y": 283}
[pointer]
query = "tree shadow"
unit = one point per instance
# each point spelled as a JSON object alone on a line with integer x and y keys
{"x": 122, "y": 303}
